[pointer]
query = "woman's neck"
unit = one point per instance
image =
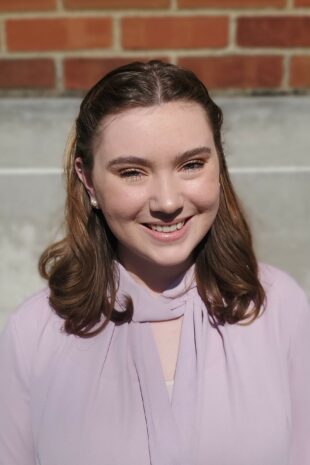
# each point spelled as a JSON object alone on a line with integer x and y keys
{"x": 155, "y": 277}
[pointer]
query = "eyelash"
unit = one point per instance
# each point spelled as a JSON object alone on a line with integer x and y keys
{"x": 135, "y": 175}
{"x": 198, "y": 164}
{"x": 131, "y": 173}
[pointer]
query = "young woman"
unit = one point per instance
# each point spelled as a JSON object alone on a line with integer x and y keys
{"x": 159, "y": 340}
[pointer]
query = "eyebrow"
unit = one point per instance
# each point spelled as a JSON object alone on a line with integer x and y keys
{"x": 131, "y": 159}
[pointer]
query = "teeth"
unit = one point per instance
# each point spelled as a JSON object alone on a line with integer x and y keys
{"x": 166, "y": 229}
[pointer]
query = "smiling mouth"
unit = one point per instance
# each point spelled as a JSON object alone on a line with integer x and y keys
{"x": 166, "y": 228}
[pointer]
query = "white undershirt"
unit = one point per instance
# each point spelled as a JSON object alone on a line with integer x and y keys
{"x": 169, "y": 385}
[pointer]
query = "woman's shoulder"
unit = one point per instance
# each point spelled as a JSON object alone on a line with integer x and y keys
{"x": 31, "y": 327}
{"x": 33, "y": 317}
{"x": 285, "y": 298}
{"x": 34, "y": 311}
{"x": 279, "y": 282}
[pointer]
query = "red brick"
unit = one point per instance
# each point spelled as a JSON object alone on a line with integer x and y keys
{"x": 302, "y": 3}
{"x": 271, "y": 31}
{"x": 82, "y": 73}
{"x": 114, "y": 4}
{"x": 175, "y": 32}
{"x": 27, "y": 5}
{"x": 300, "y": 71}
{"x": 58, "y": 34}
{"x": 236, "y": 71}
{"x": 231, "y": 3}
{"x": 25, "y": 74}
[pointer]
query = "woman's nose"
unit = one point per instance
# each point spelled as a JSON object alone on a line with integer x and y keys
{"x": 166, "y": 196}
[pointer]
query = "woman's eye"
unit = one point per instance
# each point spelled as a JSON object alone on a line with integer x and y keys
{"x": 132, "y": 175}
{"x": 193, "y": 165}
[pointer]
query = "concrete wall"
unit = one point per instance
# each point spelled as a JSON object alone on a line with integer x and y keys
{"x": 267, "y": 145}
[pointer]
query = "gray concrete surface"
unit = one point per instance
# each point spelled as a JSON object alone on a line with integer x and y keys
{"x": 267, "y": 145}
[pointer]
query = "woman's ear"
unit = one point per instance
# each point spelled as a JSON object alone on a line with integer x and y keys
{"x": 84, "y": 177}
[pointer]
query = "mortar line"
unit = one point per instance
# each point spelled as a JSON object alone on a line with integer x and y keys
{"x": 108, "y": 52}
{"x": 59, "y": 74}
{"x": 232, "y": 34}
{"x": 3, "y": 37}
{"x": 173, "y": 6}
{"x": 116, "y": 35}
{"x": 59, "y": 6}
{"x": 286, "y": 72}
{"x": 61, "y": 13}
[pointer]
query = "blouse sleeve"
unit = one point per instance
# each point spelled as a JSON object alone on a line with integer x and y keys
{"x": 16, "y": 442}
{"x": 299, "y": 373}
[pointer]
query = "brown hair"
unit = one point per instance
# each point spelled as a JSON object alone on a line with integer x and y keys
{"x": 80, "y": 268}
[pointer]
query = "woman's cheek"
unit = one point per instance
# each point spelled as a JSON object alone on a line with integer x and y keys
{"x": 207, "y": 193}
{"x": 122, "y": 204}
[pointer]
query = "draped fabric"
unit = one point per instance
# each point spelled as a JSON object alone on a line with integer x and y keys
{"x": 173, "y": 428}
{"x": 66, "y": 400}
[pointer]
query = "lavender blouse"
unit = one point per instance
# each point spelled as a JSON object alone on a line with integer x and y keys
{"x": 65, "y": 400}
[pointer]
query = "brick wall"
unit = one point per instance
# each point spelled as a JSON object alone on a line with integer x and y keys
{"x": 63, "y": 46}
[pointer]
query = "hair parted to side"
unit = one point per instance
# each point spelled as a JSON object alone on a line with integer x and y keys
{"x": 80, "y": 269}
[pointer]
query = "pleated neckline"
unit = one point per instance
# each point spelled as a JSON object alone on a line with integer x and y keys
{"x": 149, "y": 306}
{"x": 172, "y": 424}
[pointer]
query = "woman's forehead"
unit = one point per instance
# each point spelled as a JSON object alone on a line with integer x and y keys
{"x": 169, "y": 127}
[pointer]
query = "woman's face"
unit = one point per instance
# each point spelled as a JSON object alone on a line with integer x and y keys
{"x": 156, "y": 179}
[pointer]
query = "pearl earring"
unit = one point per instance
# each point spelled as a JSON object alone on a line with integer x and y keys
{"x": 94, "y": 203}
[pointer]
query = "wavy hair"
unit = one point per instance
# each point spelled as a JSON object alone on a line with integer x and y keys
{"x": 80, "y": 269}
